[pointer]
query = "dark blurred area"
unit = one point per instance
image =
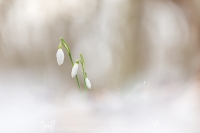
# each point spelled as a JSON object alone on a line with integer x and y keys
{"x": 141, "y": 56}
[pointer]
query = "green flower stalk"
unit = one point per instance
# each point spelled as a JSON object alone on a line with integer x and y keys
{"x": 86, "y": 80}
{"x": 69, "y": 53}
{"x": 60, "y": 60}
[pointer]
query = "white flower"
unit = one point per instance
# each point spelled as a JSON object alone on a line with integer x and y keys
{"x": 60, "y": 56}
{"x": 74, "y": 70}
{"x": 88, "y": 84}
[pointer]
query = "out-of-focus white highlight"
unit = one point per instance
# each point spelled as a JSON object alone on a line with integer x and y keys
{"x": 167, "y": 31}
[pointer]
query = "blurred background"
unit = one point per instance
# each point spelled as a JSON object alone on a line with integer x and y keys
{"x": 142, "y": 58}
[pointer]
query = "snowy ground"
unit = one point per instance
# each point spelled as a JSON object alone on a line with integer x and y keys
{"x": 29, "y": 105}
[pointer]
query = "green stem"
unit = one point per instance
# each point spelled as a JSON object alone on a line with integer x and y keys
{"x": 83, "y": 67}
{"x": 77, "y": 80}
{"x": 69, "y": 53}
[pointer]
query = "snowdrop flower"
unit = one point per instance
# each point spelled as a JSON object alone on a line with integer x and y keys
{"x": 74, "y": 70}
{"x": 88, "y": 84}
{"x": 60, "y": 55}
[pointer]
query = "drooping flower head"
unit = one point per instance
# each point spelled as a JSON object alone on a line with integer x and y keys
{"x": 88, "y": 84}
{"x": 74, "y": 69}
{"x": 60, "y": 55}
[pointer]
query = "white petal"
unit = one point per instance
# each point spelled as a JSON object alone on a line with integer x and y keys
{"x": 60, "y": 56}
{"x": 74, "y": 70}
{"x": 88, "y": 84}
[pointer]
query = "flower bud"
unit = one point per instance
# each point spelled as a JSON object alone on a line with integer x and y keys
{"x": 74, "y": 70}
{"x": 88, "y": 84}
{"x": 60, "y": 56}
